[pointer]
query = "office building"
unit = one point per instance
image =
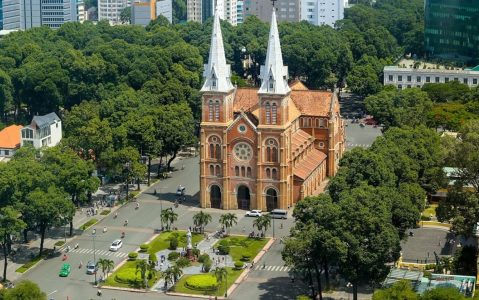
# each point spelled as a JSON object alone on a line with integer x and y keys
{"x": 165, "y": 8}
{"x": 239, "y": 12}
{"x": 111, "y": 10}
{"x": 321, "y": 12}
{"x": 142, "y": 12}
{"x": 452, "y": 29}
{"x": 194, "y": 10}
{"x": 417, "y": 77}
{"x": 1, "y": 15}
{"x": 287, "y": 10}
{"x": 202, "y": 10}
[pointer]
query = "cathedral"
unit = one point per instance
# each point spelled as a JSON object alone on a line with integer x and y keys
{"x": 269, "y": 147}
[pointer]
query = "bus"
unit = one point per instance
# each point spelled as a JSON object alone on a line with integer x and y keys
{"x": 279, "y": 214}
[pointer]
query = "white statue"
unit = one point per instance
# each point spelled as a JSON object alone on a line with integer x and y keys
{"x": 188, "y": 240}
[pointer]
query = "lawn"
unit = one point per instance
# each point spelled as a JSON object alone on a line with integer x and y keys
{"x": 180, "y": 286}
{"x": 162, "y": 241}
{"x": 88, "y": 224}
{"x": 430, "y": 211}
{"x": 126, "y": 277}
{"x": 242, "y": 244}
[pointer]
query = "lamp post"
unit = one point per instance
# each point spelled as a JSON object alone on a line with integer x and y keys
{"x": 93, "y": 233}
{"x": 127, "y": 165}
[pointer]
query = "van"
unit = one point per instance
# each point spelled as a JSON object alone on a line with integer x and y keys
{"x": 279, "y": 214}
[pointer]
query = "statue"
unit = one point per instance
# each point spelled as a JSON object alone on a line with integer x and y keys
{"x": 188, "y": 240}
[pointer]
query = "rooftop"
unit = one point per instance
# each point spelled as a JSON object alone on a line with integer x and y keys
{"x": 46, "y": 120}
{"x": 10, "y": 137}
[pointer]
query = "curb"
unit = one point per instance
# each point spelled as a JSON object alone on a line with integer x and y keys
{"x": 193, "y": 296}
{"x": 107, "y": 287}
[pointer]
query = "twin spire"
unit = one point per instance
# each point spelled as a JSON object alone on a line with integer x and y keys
{"x": 273, "y": 74}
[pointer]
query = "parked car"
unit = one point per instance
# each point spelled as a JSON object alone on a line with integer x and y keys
{"x": 254, "y": 213}
{"x": 65, "y": 270}
{"x": 91, "y": 267}
{"x": 116, "y": 245}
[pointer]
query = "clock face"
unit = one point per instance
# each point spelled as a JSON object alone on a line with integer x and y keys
{"x": 243, "y": 151}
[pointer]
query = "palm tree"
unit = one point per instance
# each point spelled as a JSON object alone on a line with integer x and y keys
{"x": 164, "y": 217}
{"x": 172, "y": 216}
{"x": 171, "y": 275}
{"x": 143, "y": 267}
{"x": 106, "y": 265}
{"x": 168, "y": 216}
{"x": 201, "y": 219}
{"x": 228, "y": 220}
{"x": 262, "y": 223}
{"x": 221, "y": 274}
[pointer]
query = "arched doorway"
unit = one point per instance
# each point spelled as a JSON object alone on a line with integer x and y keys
{"x": 271, "y": 199}
{"x": 243, "y": 197}
{"x": 215, "y": 196}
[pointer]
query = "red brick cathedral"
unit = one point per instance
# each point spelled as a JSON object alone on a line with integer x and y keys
{"x": 264, "y": 148}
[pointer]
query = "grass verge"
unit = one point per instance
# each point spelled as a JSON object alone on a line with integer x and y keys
{"x": 60, "y": 243}
{"x": 180, "y": 286}
{"x": 162, "y": 241}
{"x": 105, "y": 212}
{"x": 88, "y": 224}
{"x": 240, "y": 245}
{"x": 34, "y": 261}
{"x": 126, "y": 277}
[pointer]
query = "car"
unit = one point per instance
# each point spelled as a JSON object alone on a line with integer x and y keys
{"x": 65, "y": 270}
{"x": 91, "y": 268}
{"x": 116, "y": 245}
{"x": 254, "y": 213}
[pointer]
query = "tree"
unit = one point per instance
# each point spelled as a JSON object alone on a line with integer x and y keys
{"x": 262, "y": 223}
{"x": 201, "y": 219}
{"x": 171, "y": 275}
{"x": 228, "y": 220}
{"x": 398, "y": 291}
{"x": 125, "y": 15}
{"x": 25, "y": 290}
{"x": 363, "y": 80}
{"x": 443, "y": 293}
{"x": 143, "y": 267}
{"x": 6, "y": 94}
{"x": 10, "y": 225}
{"x": 106, "y": 266}
{"x": 221, "y": 274}
{"x": 168, "y": 216}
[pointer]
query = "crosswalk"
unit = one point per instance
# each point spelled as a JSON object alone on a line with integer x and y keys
{"x": 98, "y": 252}
{"x": 272, "y": 268}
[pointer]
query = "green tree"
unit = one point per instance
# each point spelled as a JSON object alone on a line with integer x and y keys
{"x": 221, "y": 274}
{"x": 6, "y": 94}
{"x": 443, "y": 293}
{"x": 125, "y": 15}
{"x": 25, "y": 290}
{"x": 168, "y": 216}
{"x": 201, "y": 219}
{"x": 262, "y": 223}
{"x": 363, "y": 80}
{"x": 10, "y": 225}
{"x": 398, "y": 291}
{"x": 228, "y": 220}
{"x": 144, "y": 268}
{"x": 106, "y": 266}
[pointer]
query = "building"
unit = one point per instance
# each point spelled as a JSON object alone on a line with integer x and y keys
{"x": 165, "y": 8}
{"x": 143, "y": 12}
{"x": 202, "y": 10}
{"x": 452, "y": 28}
{"x": 194, "y": 10}
{"x": 417, "y": 77}
{"x": 1, "y": 15}
{"x": 320, "y": 12}
{"x": 43, "y": 131}
{"x": 111, "y": 10}
{"x": 264, "y": 148}
{"x": 239, "y": 12}
{"x": 287, "y": 10}
{"x": 81, "y": 13}
{"x": 9, "y": 140}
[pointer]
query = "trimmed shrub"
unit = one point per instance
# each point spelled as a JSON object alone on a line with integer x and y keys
{"x": 183, "y": 262}
{"x": 203, "y": 257}
{"x": 207, "y": 265}
{"x": 128, "y": 276}
{"x": 173, "y": 243}
{"x": 246, "y": 256}
{"x": 239, "y": 265}
{"x": 202, "y": 282}
{"x": 132, "y": 255}
{"x": 302, "y": 297}
{"x": 144, "y": 247}
{"x": 152, "y": 258}
{"x": 224, "y": 249}
{"x": 224, "y": 242}
{"x": 173, "y": 256}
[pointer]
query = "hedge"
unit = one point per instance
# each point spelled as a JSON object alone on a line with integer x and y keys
{"x": 203, "y": 257}
{"x": 60, "y": 243}
{"x": 183, "y": 262}
{"x": 202, "y": 282}
{"x": 246, "y": 256}
{"x": 105, "y": 212}
{"x": 128, "y": 276}
{"x": 152, "y": 257}
{"x": 144, "y": 247}
{"x": 173, "y": 243}
{"x": 224, "y": 249}
{"x": 239, "y": 265}
{"x": 173, "y": 255}
{"x": 132, "y": 255}
{"x": 207, "y": 265}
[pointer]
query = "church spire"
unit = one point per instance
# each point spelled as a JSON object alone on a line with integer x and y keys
{"x": 274, "y": 76}
{"x": 217, "y": 73}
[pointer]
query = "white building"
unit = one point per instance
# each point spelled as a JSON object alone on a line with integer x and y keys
{"x": 82, "y": 15}
{"x": 239, "y": 12}
{"x": 323, "y": 12}
{"x": 411, "y": 77}
{"x": 43, "y": 131}
{"x": 202, "y": 10}
{"x": 111, "y": 10}
{"x": 165, "y": 8}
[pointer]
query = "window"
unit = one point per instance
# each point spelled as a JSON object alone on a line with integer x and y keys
{"x": 248, "y": 172}
{"x": 474, "y": 81}
{"x": 273, "y": 113}
{"x": 400, "y": 86}
{"x": 212, "y": 151}
{"x": 7, "y": 152}
{"x": 210, "y": 111}
{"x": 428, "y": 79}
{"x": 390, "y": 78}
{"x": 274, "y": 174}
{"x": 237, "y": 172}
{"x": 217, "y": 171}
{"x": 268, "y": 173}
{"x": 218, "y": 151}
{"x": 437, "y": 79}
{"x": 418, "y": 79}
{"x": 271, "y": 150}
{"x": 446, "y": 79}
{"x": 212, "y": 171}
{"x": 321, "y": 145}
{"x": 399, "y": 78}
{"x": 465, "y": 81}
{"x": 268, "y": 113}
{"x": 409, "y": 78}
{"x": 408, "y": 86}
{"x": 217, "y": 110}
{"x": 243, "y": 171}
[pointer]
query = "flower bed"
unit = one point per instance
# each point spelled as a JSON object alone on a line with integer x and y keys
{"x": 127, "y": 277}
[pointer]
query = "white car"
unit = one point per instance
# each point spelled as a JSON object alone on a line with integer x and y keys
{"x": 254, "y": 213}
{"x": 116, "y": 245}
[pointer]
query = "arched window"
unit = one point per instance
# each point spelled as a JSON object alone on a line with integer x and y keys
{"x": 268, "y": 153}
{"x": 248, "y": 172}
{"x": 237, "y": 171}
{"x": 218, "y": 173}
{"x": 218, "y": 151}
{"x": 274, "y": 154}
{"x": 317, "y": 123}
{"x": 268, "y": 173}
{"x": 274, "y": 173}
{"x": 271, "y": 150}
{"x": 217, "y": 110}
{"x": 273, "y": 113}
{"x": 210, "y": 111}
{"x": 212, "y": 151}
{"x": 212, "y": 171}
{"x": 268, "y": 113}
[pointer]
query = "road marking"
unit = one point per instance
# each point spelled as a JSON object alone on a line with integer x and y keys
{"x": 272, "y": 268}
{"x": 268, "y": 268}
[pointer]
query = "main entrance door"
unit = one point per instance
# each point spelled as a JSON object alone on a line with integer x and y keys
{"x": 243, "y": 197}
{"x": 271, "y": 199}
{"x": 215, "y": 196}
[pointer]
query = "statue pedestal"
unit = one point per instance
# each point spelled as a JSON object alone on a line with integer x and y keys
{"x": 189, "y": 254}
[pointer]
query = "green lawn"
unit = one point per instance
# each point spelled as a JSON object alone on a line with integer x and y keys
{"x": 430, "y": 211}
{"x": 28, "y": 265}
{"x": 128, "y": 271}
{"x": 242, "y": 244}
{"x": 88, "y": 224}
{"x": 162, "y": 241}
{"x": 180, "y": 286}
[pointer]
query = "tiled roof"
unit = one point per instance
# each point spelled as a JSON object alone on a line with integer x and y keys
{"x": 46, "y": 120}
{"x": 297, "y": 85}
{"x": 10, "y": 137}
{"x": 313, "y": 103}
{"x": 245, "y": 99}
{"x": 300, "y": 137}
{"x": 309, "y": 164}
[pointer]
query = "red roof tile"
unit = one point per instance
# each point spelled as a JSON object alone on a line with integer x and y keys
{"x": 309, "y": 164}
{"x": 10, "y": 137}
{"x": 300, "y": 137}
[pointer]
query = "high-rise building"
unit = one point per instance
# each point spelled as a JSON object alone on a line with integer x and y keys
{"x": 321, "y": 12}
{"x": 1, "y": 15}
{"x": 287, "y": 10}
{"x": 143, "y": 11}
{"x": 202, "y": 10}
{"x": 239, "y": 12}
{"x": 111, "y": 10}
{"x": 194, "y": 10}
{"x": 452, "y": 29}
{"x": 165, "y": 8}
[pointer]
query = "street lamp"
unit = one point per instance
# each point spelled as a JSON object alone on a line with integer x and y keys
{"x": 127, "y": 165}
{"x": 93, "y": 233}
{"x": 161, "y": 206}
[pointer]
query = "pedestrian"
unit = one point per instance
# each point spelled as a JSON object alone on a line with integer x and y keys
{"x": 244, "y": 229}
{"x": 281, "y": 226}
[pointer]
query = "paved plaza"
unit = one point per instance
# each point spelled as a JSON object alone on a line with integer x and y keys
{"x": 421, "y": 247}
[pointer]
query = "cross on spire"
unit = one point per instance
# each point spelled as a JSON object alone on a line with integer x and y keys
{"x": 273, "y": 1}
